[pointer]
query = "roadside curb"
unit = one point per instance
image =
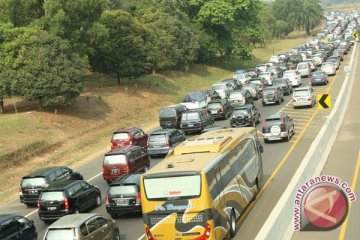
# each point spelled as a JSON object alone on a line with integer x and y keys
{"x": 279, "y": 224}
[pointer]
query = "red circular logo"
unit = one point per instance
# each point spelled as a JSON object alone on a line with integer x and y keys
{"x": 326, "y": 207}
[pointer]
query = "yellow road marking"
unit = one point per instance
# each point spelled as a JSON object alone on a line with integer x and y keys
{"x": 353, "y": 185}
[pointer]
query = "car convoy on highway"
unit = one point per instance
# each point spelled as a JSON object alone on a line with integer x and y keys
{"x": 64, "y": 199}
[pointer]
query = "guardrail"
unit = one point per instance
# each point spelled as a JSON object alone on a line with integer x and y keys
{"x": 279, "y": 224}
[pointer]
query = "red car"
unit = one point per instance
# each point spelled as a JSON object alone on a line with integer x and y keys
{"x": 125, "y": 160}
{"x": 129, "y": 137}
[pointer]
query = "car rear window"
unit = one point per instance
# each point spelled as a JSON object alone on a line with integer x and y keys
{"x": 167, "y": 112}
{"x": 214, "y": 105}
{"x": 33, "y": 182}
{"x": 121, "y": 136}
{"x": 266, "y": 90}
{"x": 278, "y": 82}
{"x": 190, "y": 116}
{"x": 318, "y": 74}
{"x": 272, "y": 121}
{"x": 302, "y": 66}
{"x": 289, "y": 74}
{"x": 157, "y": 137}
{"x": 217, "y": 87}
{"x": 123, "y": 190}
{"x": 52, "y": 196}
{"x": 240, "y": 111}
{"x": 236, "y": 95}
{"x": 301, "y": 93}
{"x": 60, "y": 234}
{"x": 115, "y": 159}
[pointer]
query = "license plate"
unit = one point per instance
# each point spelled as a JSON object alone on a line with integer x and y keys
{"x": 33, "y": 192}
{"x": 302, "y": 99}
{"x": 213, "y": 112}
{"x": 51, "y": 208}
{"x": 190, "y": 125}
{"x": 156, "y": 146}
{"x": 122, "y": 201}
{"x": 115, "y": 171}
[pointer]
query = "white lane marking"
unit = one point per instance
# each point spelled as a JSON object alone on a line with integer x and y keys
{"x": 142, "y": 237}
{"x": 90, "y": 179}
{"x": 31, "y": 213}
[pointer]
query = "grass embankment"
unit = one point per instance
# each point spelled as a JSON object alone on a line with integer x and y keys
{"x": 32, "y": 138}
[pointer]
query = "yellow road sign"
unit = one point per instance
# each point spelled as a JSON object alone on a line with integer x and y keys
{"x": 355, "y": 35}
{"x": 324, "y": 101}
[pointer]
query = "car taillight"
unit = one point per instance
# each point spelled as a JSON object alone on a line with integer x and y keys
{"x": 66, "y": 201}
{"x": 138, "y": 199}
{"x": 20, "y": 191}
{"x": 222, "y": 109}
{"x": 38, "y": 204}
{"x": 107, "y": 200}
{"x": 103, "y": 169}
{"x": 282, "y": 122}
{"x": 127, "y": 168}
{"x": 264, "y": 124}
{"x": 324, "y": 78}
{"x": 149, "y": 234}
{"x": 309, "y": 98}
{"x": 167, "y": 143}
{"x": 206, "y": 234}
{"x": 130, "y": 142}
{"x": 293, "y": 99}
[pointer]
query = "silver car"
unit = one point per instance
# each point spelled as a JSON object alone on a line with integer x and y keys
{"x": 84, "y": 226}
{"x": 303, "y": 96}
{"x": 329, "y": 68}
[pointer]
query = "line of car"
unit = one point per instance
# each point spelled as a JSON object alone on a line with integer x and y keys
{"x": 62, "y": 196}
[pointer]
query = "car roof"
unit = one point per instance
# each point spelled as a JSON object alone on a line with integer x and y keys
{"x": 131, "y": 129}
{"x": 129, "y": 178}
{"x": 279, "y": 115}
{"x": 6, "y": 217}
{"x": 174, "y": 106}
{"x": 162, "y": 131}
{"x": 247, "y": 106}
{"x": 271, "y": 87}
{"x": 42, "y": 172}
{"x": 217, "y": 101}
{"x": 302, "y": 88}
{"x": 120, "y": 150}
{"x": 61, "y": 185}
{"x": 72, "y": 220}
{"x": 194, "y": 110}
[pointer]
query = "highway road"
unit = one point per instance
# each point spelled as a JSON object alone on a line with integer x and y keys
{"x": 344, "y": 162}
{"x": 280, "y": 161}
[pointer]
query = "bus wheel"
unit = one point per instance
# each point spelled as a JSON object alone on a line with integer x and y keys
{"x": 232, "y": 224}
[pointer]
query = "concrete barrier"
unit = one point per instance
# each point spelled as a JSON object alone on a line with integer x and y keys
{"x": 279, "y": 224}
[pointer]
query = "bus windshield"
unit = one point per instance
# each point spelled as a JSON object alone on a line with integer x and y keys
{"x": 178, "y": 187}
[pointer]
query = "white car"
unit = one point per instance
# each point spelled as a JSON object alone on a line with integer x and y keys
{"x": 304, "y": 69}
{"x": 303, "y": 96}
{"x": 244, "y": 78}
{"x": 311, "y": 64}
{"x": 274, "y": 59}
{"x": 294, "y": 77}
{"x": 329, "y": 68}
{"x": 222, "y": 89}
{"x": 268, "y": 76}
{"x": 261, "y": 67}
{"x": 318, "y": 60}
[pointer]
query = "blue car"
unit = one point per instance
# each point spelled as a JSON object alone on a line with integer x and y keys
{"x": 319, "y": 78}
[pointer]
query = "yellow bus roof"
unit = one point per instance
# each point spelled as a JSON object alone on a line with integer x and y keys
{"x": 196, "y": 153}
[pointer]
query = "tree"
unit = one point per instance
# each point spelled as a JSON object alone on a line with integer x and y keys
{"x": 21, "y": 12}
{"x": 40, "y": 66}
{"x": 119, "y": 45}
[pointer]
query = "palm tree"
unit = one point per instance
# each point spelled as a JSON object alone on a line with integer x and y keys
{"x": 313, "y": 14}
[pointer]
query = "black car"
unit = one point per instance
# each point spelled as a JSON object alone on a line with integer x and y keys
{"x": 170, "y": 116}
{"x": 15, "y": 227}
{"x": 247, "y": 115}
{"x": 285, "y": 85}
{"x": 271, "y": 95}
{"x": 195, "y": 120}
{"x": 67, "y": 197}
{"x": 234, "y": 83}
{"x": 162, "y": 141}
{"x": 278, "y": 127}
{"x": 33, "y": 183}
{"x": 123, "y": 195}
{"x": 220, "y": 109}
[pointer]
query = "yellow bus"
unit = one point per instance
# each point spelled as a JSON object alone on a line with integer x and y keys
{"x": 202, "y": 187}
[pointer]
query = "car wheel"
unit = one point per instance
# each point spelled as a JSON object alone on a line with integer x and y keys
{"x": 259, "y": 119}
{"x": 77, "y": 211}
{"x": 287, "y": 138}
{"x": 254, "y": 124}
{"x": 278, "y": 101}
{"x": 146, "y": 168}
{"x": 232, "y": 223}
{"x": 116, "y": 235}
{"x": 113, "y": 215}
{"x": 98, "y": 200}
{"x": 266, "y": 141}
{"x": 293, "y": 130}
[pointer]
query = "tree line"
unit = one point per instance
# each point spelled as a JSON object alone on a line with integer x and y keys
{"x": 46, "y": 45}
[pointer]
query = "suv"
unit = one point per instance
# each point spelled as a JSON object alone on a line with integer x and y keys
{"x": 33, "y": 183}
{"x": 67, "y": 197}
{"x": 121, "y": 161}
{"x": 272, "y": 95}
{"x": 220, "y": 108}
{"x": 196, "y": 120}
{"x": 244, "y": 116}
{"x": 304, "y": 96}
{"x": 170, "y": 116}
{"x": 285, "y": 85}
{"x": 241, "y": 97}
{"x": 123, "y": 195}
{"x": 162, "y": 141}
{"x": 83, "y": 227}
{"x": 278, "y": 127}
{"x": 15, "y": 227}
{"x": 129, "y": 137}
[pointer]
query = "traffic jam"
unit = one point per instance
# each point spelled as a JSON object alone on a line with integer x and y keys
{"x": 67, "y": 204}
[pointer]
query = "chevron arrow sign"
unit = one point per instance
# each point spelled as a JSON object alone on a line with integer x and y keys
{"x": 324, "y": 101}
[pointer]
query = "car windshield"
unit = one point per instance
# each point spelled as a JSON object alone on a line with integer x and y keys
{"x": 240, "y": 112}
{"x": 161, "y": 137}
{"x": 272, "y": 121}
{"x": 52, "y": 196}
{"x": 289, "y": 74}
{"x": 190, "y": 116}
{"x": 115, "y": 159}
{"x": 214, "y": 105}
{"x": 236, "y": 95}
{"x": 301, "y": 93}
{"x": 217, "y": 87}
{"x": 182, "y": 187}
{"x": 33, "y": 182}
{"x": 167, "y": 112}
{"x": 60, "y": 234}
{"x": 121, "y": 136}
{"x": 123, "y": 190}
